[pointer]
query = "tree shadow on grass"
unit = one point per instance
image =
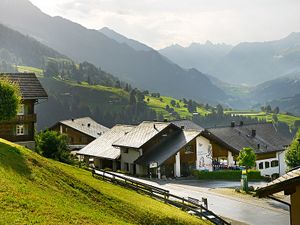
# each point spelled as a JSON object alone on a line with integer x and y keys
{"x": 12, "y": 158}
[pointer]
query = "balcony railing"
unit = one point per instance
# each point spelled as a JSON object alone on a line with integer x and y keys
{"x": 23, "y": 119}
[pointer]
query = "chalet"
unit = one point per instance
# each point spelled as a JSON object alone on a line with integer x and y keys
{"x": 269, "y": 146}
{"x": 101, "y": 152}
{"x": 21, "y": 129}
{"x": 290, "y": 185}
{"x": 80, "y": 131}
{"x": 163, "y": 148}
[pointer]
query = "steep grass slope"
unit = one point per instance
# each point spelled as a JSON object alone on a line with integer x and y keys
{"x": 34, "y": 189}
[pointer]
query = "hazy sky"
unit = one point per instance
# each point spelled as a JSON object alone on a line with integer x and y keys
{"x": 159, "y": 23}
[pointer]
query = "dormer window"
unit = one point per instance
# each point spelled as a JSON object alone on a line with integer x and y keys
{"x": 21, "y": 110}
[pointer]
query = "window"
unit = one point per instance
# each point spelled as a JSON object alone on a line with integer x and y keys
{"x": 20, "y": 130}
{"x": 125, "y": 150}
{"x": 274, "y": 163}
{"x": 126, "y": 166}
{"x": 21, "y": 110}
{"x": 267, "y": 164}
{"x": 261, "y": 165}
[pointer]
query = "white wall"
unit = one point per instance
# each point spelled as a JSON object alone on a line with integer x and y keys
{"x": 204, "y": 154}
{"x": 130, "y": 157}
{"x": 280, "y": 169}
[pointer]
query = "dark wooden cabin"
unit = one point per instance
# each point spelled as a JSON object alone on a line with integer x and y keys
{"x": 21, "y": 129}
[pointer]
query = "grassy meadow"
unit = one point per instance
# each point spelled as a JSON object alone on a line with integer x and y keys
{"x": 36, "y": 190}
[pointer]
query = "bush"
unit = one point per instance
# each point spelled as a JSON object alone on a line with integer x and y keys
{"x": 53, "y": 145}
{"x": 10, "y": 98}
{"x": 226, "y": 175}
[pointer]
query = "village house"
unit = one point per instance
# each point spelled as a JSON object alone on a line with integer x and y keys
{"x": 80, "y": 131}
{"x": 290, "y": 185}
{"x": 268, "y": 144}
{"x": 101, "y": 153}
{"x": 21, "y": 129}
{"x": 160, "y": 148}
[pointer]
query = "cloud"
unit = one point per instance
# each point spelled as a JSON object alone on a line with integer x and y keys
{"x": 162, "y": 22}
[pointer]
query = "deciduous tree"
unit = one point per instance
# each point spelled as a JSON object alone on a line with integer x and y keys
{"x": 292, "y": 156}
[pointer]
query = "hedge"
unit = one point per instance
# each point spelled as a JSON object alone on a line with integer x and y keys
{"x": 226, "y": 175}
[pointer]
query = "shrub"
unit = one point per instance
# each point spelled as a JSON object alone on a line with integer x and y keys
{"x": 10, "y": 99}
{"x": 226, "y": 175}
{"x": 53, "y": 145}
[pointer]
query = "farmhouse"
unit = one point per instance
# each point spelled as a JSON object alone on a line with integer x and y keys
{"x": 21, "y": 129}
{"x": 267, "y": 143}
{"x": 290, "y": 184}
{"x": 80, "y": 131}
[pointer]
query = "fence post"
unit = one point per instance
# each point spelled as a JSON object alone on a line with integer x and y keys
{"x": 204, "y": 200}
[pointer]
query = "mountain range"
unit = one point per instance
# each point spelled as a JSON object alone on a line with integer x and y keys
{"x": 246, "y": 63}
{"x": 144, "y": 69}
{"x": 269, "y": 71}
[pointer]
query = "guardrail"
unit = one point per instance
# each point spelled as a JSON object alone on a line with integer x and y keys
{"x": 189, "y": 204}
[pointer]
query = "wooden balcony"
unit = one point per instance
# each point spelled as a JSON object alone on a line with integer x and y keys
{"x": 31, "y": 118}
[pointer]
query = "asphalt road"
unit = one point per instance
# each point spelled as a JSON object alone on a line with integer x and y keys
{"x": 253, "y": 212}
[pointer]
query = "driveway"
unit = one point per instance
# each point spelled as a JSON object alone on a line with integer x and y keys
{"x": 251, "y": 211}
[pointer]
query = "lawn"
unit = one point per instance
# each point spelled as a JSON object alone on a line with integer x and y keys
{"x": 34, "y": 189}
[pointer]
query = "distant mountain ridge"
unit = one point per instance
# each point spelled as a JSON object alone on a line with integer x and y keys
{"x": 200, "y": 56}
{"x": 246, "y": 63}
{"x": 18, "y": 49}
{"x": 143, "y": 69}
{"x": 124, "y": 40}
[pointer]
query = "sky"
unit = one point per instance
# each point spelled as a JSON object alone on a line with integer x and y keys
{"x": 160, "y": 23}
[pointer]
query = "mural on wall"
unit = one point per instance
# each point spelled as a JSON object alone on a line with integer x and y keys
{"x": 204, "y": 156}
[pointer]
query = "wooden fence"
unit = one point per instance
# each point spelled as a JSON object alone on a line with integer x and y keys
{"x": 192, "y": 205}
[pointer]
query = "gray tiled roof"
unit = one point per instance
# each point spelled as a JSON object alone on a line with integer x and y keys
{"x": 141, "y": 134}
{"x": 86, "y": 125}
{"x": 290, "y": 178}
{"x": 162, "y": 151}
{"x": 267, "y": 137}
{"x": 187, "y": 124}
{"x": 102, "y": 146}
{"x": 29, "y": 85}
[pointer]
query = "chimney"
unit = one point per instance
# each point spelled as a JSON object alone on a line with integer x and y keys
{"x": 232, "y": 124}
{"x": 72, "y": 119}
{"x": 154, "y": 126}
{"x": 253, "y": 133}
{"x": 241, "y": 123}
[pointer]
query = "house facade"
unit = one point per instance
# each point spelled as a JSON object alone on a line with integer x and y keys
{"x": 263, "y": 138}
{"x": 80, "y": 131}
{"x": 21, "y": 129}
{"x": 162, "y": 149}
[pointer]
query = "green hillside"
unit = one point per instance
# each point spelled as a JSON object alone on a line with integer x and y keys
{"x": 34, "y": 189}
{"x": 288, "y": 119}
{"x": 159, "y": 105}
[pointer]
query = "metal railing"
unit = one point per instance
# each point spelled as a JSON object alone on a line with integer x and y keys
{"x": 188, "y": 204}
